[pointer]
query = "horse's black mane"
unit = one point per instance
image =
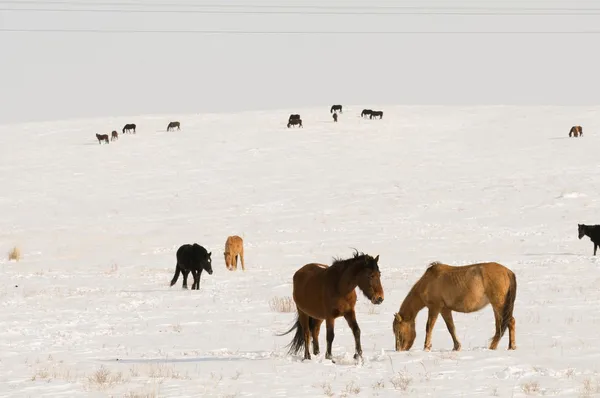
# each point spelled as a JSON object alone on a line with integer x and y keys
{"x": 368, "y": 260}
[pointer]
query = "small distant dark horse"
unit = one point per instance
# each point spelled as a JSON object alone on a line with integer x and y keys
{"x": 336, "y": 108}
{"x": 102, "y": 137}
{"x": 576, "y": 131}
{"x": 114, "y": 136}
{"x": 335, "y": 116}
{"x": 366, "y": 112}
{"x": 192, "y": 258}
{"x": 374, "y": 114}
{"x": 128, "y": 127}
{"x": 172, "y": 126}
{"x": 593, "y": 231}
{"x": 324, "y": 293}
{"x": 294, "y": 120}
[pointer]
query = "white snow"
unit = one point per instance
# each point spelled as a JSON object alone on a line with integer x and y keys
{"x": 88, "y": 310}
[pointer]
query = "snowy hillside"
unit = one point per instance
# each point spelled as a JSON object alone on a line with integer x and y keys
{"x": 88, "y": 310}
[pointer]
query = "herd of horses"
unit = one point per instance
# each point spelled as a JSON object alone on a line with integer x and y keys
{"x": 323, "y": 293}
{"x": 130, "y": 128}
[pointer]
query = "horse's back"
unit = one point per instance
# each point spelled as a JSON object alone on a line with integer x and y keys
{"x": 234, "y": 243}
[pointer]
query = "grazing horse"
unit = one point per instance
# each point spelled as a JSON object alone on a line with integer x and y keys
{"x": 324, "y": 292}
{"x": 374, "y": 114}
{"x": 128, "y": 127}
{"x": 102, "y": 137}
{"x": 336, "y": 108}
{"x": 593, "y": 231}
{"x": 576, "y": 131}
{"x": 335, "y": 117}
{"x": 469, "y": 288}
{"x": 293, "y": 122}
{"x": 234, "y": 248}
{"x": 172, "y": 125}
{"x": 114, "y": 136}
{"x": 366, "y": 112}
{"x": 193, "y": 258}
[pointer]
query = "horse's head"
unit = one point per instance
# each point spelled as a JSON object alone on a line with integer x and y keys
{"x": 581, "y": 230}
{"x": 404, "y": 333}
{"x": 369, "y": 280}
{"x": 207, "y": 264}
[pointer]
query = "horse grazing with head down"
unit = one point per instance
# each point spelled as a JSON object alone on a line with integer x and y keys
{"x": 374, "y": 114}
{"x": 469, "y": 288}
{"x": 128, "y": 127}
{"x": 234, "y": 248}
{"x": 324, "y": 293}
{"x": 114, "y": 136}
{"x": 335, "y": 108}
{"x": 172, "y": 126}
{"x": 192, "y": 258}
{"x": 102, "y": 137}
{"x": 576, "y": 131}
{"x": 366, "y": 112}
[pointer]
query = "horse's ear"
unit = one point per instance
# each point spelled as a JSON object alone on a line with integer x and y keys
{"x": 377, "y": 258}
{"x": 397, "y": 317}
{"x": 209, "y": 253}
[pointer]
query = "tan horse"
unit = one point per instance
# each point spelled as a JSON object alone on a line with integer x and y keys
{"x": 469, "y": 288}
{"x": 234, "y": 247}
{"x": 576, "y": 131}
{"x": 324, "y": 292}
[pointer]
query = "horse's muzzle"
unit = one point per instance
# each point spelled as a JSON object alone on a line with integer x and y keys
{"x": 209, "y": 272}
{"x": 377, "y": 300}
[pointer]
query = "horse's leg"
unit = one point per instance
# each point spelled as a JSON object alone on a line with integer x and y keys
{"x": 315, "y": 335}
{"x": 351, "y": 319}
{"x": 595, "y": 247}
{"x": 185, "y": 274}
{"x": 198, "y": 280}
{"x": 305, "y": 325}
{"x": 431, "y": 318}
{"x": 242, "y": 259}
{"x": 447, "y": 316}
{"x": 235, "y": 256}
{"x": 498, "y": 318}
{"x": 329, "y": 324}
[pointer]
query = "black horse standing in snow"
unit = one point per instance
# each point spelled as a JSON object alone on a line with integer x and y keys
{"x": 192, "y": 258}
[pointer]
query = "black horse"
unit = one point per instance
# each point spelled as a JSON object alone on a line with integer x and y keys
{"x": 293, "y": 122}
{"x": 192, "y": 258}
{"x": 172, "y": 126}
{"x": 374, "y": 114}
{"x": 335, "y": 117}
{"x": 127, "y": 127}
{"x": 336, "y": 108}
{"x": 366, "y": 112}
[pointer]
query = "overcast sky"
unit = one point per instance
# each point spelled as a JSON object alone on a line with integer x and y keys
{"x": 49, "y": 75}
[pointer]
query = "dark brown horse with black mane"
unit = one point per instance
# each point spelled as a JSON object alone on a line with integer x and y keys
{"x": 576, "y": 131}
{"x": 324, "y": 293}
{"x": 114, "y": 135}
{"x": 335, "y": 108}
{"x": 374, "y": 114}
{"x": 366, "y": 112}
{"x": 128, "y": 127}
{"x": 172, "y": 126}
{"x": 102, "y": 137}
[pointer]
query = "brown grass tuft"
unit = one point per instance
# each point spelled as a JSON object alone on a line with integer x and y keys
{"x": 282, "y": 304}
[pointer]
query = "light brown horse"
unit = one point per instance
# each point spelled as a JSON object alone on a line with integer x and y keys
{"x": 469, "y": 288}
{"x": 234, "y": 248}
{"x": 576, "y": 131}
{"x": 324, "y": 293}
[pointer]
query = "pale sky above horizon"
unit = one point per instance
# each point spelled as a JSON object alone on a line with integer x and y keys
{"x": 51, "y": 75}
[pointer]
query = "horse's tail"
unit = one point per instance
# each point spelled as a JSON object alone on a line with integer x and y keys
{"x": 509, "y": 303}
{"x": 176, "y": 276}
{"x": 297, "y": 342}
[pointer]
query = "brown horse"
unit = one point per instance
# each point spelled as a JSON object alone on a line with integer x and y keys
{"x": 324, "y": 292}
{"x": 114, "y": 136}
{"x": 172, "y": 125}
{"x": 234, "y": 248}
{"x": 576, "y": 131}
{"x": 469, "y": 288}
{"x": 102, "y": 137}
{"x": 335, "y": 117}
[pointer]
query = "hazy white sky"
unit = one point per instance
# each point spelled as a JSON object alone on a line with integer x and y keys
{"x": 69, "y": 75}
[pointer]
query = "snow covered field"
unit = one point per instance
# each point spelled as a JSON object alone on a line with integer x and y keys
{"x": 88, "y": 310}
